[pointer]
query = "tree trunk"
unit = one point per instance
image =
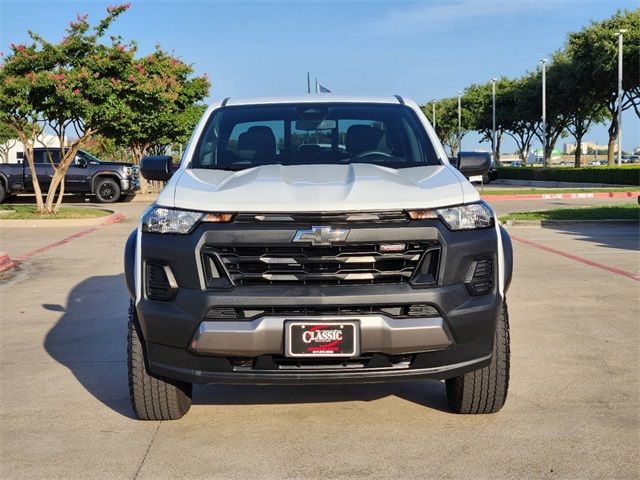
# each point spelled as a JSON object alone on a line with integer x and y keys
{"x": 611, "y": 155}
{"x": 60, "y": 195}
{"x": 51, "y": 193}
{"x": 28, "y": 141}
{"x": 578, "y": 152}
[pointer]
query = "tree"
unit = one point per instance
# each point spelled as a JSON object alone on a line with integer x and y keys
{"x": 479, "y": 101}
{"x": 67, "y": 86}
{"x": 581, "y": 105}
{"x": 17, "y": 109}
{"x": 520, "y": 106}
{"x": 558, "y": 102}
{"x": 8, "y": 139}
{"x": 162, "y": 99}
{"x": 595, "y": 53}
{"x": 447, "y": 122}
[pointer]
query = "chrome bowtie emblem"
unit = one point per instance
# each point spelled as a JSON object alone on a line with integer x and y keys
{"x": 321, "y": 235}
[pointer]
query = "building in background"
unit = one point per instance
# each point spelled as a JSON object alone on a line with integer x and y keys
{"x": 585, "y": 148}
{"x": 15, "y": 151}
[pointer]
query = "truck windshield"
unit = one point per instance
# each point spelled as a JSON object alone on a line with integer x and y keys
{"x": 240, "y": 137}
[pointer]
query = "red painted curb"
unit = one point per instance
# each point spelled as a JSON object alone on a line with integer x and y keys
{"x": 109, "y": 220}
{"x": 113, "y": 218}
{"x": 5, "y": 262}
{"x": 558, "y": 196}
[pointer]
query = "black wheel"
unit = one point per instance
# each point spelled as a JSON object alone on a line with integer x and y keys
{"x": 3, "y": 193}
{"x": 486, "y": 179}
{"x": 107, "y": 190}
{"x": 484, "y": 390}
{"x": 152, "y": 397}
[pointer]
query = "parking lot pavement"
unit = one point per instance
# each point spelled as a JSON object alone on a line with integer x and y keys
{"x": 573, "y": 409}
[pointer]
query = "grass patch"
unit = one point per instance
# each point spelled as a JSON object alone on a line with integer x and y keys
{"x": 627, "y": 211}
{"x": 529, "y": 191}
{"x": 28, "y": 212}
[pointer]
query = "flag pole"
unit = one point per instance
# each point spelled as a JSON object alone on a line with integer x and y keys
{"x": 308, "y": 83}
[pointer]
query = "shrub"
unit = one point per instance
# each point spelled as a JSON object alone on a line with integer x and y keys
{"x": 624, "y": 175}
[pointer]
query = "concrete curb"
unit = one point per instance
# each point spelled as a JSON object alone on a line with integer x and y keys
{"x": 114, "y": 217}
{"x": 558, "y": 196}
{"x": 5, "y": 262}
{"x": 572, "y": 223}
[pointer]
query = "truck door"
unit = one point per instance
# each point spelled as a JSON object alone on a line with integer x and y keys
{"x": 78, "y": 178}
{"x": 44, "y": 171}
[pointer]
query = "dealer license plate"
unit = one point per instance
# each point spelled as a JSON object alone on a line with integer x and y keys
{"x": 321, "y": 339}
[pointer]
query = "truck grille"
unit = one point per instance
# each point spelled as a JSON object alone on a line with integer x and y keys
{"x": 324, "y": 265}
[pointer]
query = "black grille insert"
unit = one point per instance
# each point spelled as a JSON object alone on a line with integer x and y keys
{"x": 322, "y": 265}
{"x": 396, "y": 311}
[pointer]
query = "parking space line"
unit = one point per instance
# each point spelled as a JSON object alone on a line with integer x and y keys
{"x": 586, "y": 261}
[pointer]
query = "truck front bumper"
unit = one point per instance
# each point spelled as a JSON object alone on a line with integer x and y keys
{"x": 184, "y": 341}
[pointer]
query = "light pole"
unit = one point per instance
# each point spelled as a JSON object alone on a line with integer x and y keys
{"x": 459, "y": 121}
{"x": 433, "y": 112}
{"x": 620, "y": 35}
{"x": 544, "y": 111}
{"x": 493, "y": 132}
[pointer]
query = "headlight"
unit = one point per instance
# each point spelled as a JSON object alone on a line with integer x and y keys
{"x": 463, "y": 217}
{"x": 128, "y": 171}
{"x": 170, "y": 220}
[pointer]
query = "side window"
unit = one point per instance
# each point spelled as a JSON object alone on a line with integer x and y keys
{"x": 209, "y": 144}
{"x": 43, "y": 155}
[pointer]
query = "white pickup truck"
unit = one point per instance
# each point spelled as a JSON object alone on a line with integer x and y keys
{"x": 317, "y": 239}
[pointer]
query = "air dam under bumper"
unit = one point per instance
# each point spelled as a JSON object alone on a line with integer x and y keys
{"x": 378, "y": 333}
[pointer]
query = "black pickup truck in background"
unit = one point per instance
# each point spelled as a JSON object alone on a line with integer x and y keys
{"x": 108, "y": 181}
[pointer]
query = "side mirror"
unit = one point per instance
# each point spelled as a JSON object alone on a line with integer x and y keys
{"x": 157, "y": 168}
{"x": 82, "y": 162}
{"x": 471, "y": 164}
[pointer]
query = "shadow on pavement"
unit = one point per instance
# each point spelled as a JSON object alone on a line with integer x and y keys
{"x": 623, "y": 237}
{"x": 90, "y": 340}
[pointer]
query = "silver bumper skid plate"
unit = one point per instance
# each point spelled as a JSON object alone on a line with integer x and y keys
{"x": 265, "y": 335}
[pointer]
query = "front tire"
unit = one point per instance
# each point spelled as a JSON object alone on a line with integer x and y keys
{"x": 107, "y": 191}
{"x": 485, "y": 390}
{"x": 152, "y": 397}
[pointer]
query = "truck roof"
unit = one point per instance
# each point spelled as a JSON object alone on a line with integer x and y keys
{"x": 309, "y": 98}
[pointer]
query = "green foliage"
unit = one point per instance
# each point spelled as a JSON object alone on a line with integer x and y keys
{"x": 7, "y": 132}
{"x": 162, "y": 103}
{"x": 447, "y": 122}
{"x": 625, "y": 175}
{"x": 581, "y": 90}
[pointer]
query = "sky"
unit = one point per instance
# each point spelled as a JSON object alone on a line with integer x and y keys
{"x": 421, "y": 49}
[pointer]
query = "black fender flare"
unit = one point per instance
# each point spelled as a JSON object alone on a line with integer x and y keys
{"x": 507, "y": 253}
{"x": 130, "y": 263}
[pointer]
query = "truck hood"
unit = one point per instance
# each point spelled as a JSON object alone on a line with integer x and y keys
{"x": 313, "y": 188}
